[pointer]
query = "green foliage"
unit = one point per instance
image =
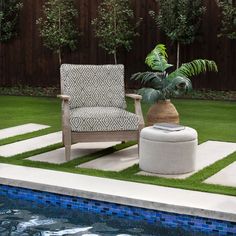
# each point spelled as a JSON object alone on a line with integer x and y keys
{"x": 228, "y": 22}
{"x": 179, "y": 19}
{"x": 157, "y": 58}
{"x": 57, "y": 27}
{"x": 194, "y": 68}
{"x": 162, "y": 85}
{"x": 9, "y": 15}
{"x": 115, "y": 25}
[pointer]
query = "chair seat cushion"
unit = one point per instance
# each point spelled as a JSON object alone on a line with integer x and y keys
{"x": 87, "y": 119}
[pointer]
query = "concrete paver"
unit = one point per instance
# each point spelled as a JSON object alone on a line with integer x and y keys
{"x": 77, "y": 150}
{"x": 116, "y": 161}
{"x": 21, "y": 129}
{"x": 13, "y": 149}
{"x": 226, "y": 176}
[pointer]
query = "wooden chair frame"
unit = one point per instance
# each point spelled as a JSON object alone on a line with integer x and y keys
{"x": 69, "y": 137}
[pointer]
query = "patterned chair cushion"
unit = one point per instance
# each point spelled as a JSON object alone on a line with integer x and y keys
{"x": 102, "y": 119}
{"x": 94, "y": 85}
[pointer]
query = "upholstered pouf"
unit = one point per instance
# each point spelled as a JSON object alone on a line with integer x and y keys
{"x": 167, "y": 152}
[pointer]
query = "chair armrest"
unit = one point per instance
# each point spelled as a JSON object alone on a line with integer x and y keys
{"x": 134, "y": 96}
{"x": 65, "y": 114}
{"x": 64, "y": 97}
{"x": 138, "y": 109}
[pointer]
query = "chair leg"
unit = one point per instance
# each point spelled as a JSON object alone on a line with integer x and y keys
{"x": 67, "y": 144}
{"x": 139, "y": 140}
{"x": 68, "y": 152}
{"x": 138, "y": 147}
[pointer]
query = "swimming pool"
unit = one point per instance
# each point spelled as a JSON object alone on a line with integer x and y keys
{"x": 23, "y": 218}
{"x": 30, "y": 212}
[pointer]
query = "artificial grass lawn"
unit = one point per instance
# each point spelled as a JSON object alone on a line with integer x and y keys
{"x": 214, "y": 120}
{"x": 21, "y": 110}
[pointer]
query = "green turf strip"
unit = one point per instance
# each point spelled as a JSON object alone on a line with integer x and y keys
{"x": 214, "y": 120}
{"x": 22, "y": 110}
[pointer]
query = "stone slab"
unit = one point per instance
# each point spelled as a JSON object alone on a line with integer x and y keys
{"x": 21, "y": 129}
{"x": 16, "y": 148}
{"x": 116, "y": 161}
{"x": 207, "y": 154}
{"x": 77, "y": 150}
{"x": 226, "y": 176}
{"x": 148, "y": 196}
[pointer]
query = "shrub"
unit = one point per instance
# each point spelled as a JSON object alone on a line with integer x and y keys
{"x": 57, "y": 27}
{"x": 9, "y": 15}
{"x": 115, "y": 26}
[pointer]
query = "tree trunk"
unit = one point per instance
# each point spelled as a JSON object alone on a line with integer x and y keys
{"x": 115, "y": 29}
{"x": 115, "y": 57}
{"x": 59, "y": 57}
{"x": 59, "y": 25}
{"x": 178, "y": 55}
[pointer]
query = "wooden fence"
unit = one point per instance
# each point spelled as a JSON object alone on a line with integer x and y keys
{"x": 25, "y": 61}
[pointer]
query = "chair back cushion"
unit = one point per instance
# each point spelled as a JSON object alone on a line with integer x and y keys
{"x": 93, "y": 85}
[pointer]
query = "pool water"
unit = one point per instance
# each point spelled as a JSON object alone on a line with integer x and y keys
{"x": 29, "y": 219}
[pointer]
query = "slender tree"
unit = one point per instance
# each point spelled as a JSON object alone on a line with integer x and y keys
{"x": 57, "y": 26}
{"x": 115, "y": 26}
{"x": 180, "y": 20}
{"x": 228, "y": 20}
{"x": 9, "y": 15}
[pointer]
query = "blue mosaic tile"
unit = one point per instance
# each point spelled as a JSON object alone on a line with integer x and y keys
{"x": 173, "y": 220}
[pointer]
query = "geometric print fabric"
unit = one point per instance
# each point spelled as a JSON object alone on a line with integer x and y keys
{"x": 102, "y": 119}
{"x": 93, "y": 85}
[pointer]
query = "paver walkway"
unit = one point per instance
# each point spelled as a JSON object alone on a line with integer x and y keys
{"x": 207, "y": 154}
{"x": 13, "y": 149}
{"x": 21, "y": 129}
{"x": 226, "y": 176}
{"x": 78, "y": 150}
{"x": 116, "y": 161}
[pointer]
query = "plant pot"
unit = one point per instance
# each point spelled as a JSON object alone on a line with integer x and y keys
{"x": 162, "y": 111}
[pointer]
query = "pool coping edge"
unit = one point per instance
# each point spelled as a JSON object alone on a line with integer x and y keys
{"x": 218, "y": 215}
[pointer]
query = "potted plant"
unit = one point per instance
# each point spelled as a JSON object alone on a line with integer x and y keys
{"x": 161, "y": 85}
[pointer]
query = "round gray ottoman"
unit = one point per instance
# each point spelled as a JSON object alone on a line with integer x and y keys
{"x": 167, "y": 152}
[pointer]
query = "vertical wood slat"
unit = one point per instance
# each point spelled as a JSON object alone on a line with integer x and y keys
{"x": 25, "y": 61}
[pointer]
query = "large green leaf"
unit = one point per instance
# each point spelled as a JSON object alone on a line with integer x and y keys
{"x": 194, "y": 68}
{"x": 177, "y": 86}
{"x": 154, "y": 79}
{"x": 150, "y": 95}
{"x": 157, "y": 59}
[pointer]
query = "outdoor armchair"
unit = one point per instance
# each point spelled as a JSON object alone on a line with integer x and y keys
{"x": 93, "y": 106}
